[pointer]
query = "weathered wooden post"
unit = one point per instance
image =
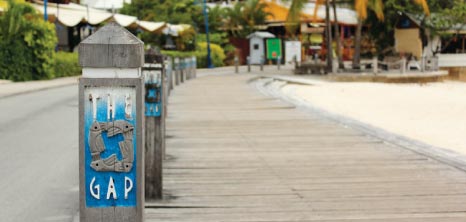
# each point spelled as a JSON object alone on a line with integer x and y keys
{"x": 182, "y": 69}
{"x": 375, "y": 68}
{"x": 262, "y": 63}
{"x": 153, "y": 72}
{"x": 423, "y": 63}
{"x": 236, "y": 64}
{"x": 177, "y": 71}
{"x": 403, "y": 65}
{"x": 249, "y": 63}
{"x": 194, "y": 67}
{"x": 279, "y": 61}
{"x": 186, "y": 69}
{"x": 189, "y": 68}
{"x": 111, "y": 132}
{"x": 169, "y": 71}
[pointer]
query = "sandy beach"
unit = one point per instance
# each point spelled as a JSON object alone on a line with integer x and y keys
{"x": 433, "y": 113}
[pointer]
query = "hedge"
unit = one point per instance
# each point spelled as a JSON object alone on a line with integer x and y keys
{"x": 27, "y": 44}
{"x": 66, "y": 64}
{"x": 217, "y": 54}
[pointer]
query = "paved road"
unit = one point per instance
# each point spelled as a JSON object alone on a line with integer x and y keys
{"x": 39, "y": 150}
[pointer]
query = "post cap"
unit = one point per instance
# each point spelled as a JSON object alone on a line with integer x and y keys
{"x": 111, "y": 46}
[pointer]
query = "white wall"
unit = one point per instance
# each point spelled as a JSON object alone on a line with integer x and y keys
{"x": 292, "y": 48}
{"x": 256, "y": 54}
{"x": 452, "y": 60}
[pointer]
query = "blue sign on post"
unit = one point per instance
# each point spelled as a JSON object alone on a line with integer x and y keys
{"x": 110, "y": 147}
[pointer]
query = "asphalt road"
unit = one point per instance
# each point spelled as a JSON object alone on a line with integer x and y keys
{"x": 39, "y": 156}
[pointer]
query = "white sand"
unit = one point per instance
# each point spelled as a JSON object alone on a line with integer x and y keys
{"x": 433, "y": 113}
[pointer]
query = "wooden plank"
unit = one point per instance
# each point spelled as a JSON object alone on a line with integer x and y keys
{"x": 236, "y": 155}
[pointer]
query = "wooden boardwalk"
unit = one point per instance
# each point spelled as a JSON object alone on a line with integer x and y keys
{"x": 237, "y": 155}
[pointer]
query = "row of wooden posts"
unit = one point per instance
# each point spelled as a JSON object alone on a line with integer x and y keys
{"x": 173, "y": 72}
{"x": 123, "y": 95}
{"x": 261, "y": 64}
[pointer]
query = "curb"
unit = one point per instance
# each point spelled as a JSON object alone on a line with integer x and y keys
{"x": 45, "y": 86}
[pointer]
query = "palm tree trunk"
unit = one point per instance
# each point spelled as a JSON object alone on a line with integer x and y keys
{"x": 357, "y": 46}
{"x": 337, "y": 36}
{"x": 329, "y": 37}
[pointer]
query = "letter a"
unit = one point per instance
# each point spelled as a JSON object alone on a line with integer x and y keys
{"x": 111, "y": 189}
{"x": 92, "y": 187}
{"x": 128, "y": 186}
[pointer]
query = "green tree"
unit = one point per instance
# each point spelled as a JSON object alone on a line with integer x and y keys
{"x": 446, "y": 15}
{"x": 27, "y": 44}
{"x": 245, "y": 17}
{"x": 234, "y": 20}
{"x": 216, "y": 20}
{"x": 175, "y": 12}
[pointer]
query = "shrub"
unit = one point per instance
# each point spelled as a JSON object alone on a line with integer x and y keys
{"x": 66, "y": 64}
{"x": 27, "y": 44}
{"x": 217, "y": 54}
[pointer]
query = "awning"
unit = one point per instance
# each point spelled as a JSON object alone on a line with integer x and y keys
{"x": 72, "y": 14}
{"x": 175, "y": 30}
{"x": 151, "y": 26}
{"x": 344, "y": 15}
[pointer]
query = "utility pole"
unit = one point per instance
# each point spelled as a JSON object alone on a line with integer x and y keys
{"x": 206, "y": 21}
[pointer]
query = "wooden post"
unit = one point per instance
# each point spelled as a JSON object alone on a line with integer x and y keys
{"x": 375, "y": 68}
{"x": 279, "y": 61}
{"x": 182, "y": 69}
{"x": 169, "y": 71}
{"x": 189, "y": 68}
{"x": 262, "y": 63}
{"x": 423, "y": 63}
{"x": 236, "y": 64}
{"x": 111, "y": 183}
{"x": 177, "y": 71}
{"x": 403, "y": 65}
{"x": 194, "y": 67}
{"x": 295, "y": 61}
{"x": 163, "y": 124}
{"x": 249, "y": 63}
{"x": 154, "y": 75}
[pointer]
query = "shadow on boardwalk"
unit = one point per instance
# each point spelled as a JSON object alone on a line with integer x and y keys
{"x": 235, "y": 154}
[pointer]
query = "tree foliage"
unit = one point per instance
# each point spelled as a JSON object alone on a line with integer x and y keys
{"x": 445, "y": 15}
{"x": 245, "y": 17}
{"x": 175, "y": 12}
{"x": 27, "y": 44}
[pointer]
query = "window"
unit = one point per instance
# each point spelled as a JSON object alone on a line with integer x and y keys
{"x": 256, "y": 46}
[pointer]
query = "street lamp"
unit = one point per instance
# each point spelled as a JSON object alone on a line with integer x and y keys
{"x": 206, "y": 21}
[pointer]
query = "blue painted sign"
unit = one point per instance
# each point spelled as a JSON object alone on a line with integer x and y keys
{"x": 110, "y": 146}
{"x": 153, "y": 98}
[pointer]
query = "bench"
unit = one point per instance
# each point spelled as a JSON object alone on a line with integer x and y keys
{"x": 311, "y": 68}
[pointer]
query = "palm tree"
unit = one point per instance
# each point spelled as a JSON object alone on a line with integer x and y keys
{"x": 245, "y": 17}
{"x": 361, "y": 7}
{"x": 337, "y": 35}
{"x": 234, "y": 19}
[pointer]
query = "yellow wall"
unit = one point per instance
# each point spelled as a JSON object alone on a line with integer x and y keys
{"x": 408, "y": 41}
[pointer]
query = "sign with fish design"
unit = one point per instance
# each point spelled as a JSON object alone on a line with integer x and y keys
{"x": 110, "y": 146}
